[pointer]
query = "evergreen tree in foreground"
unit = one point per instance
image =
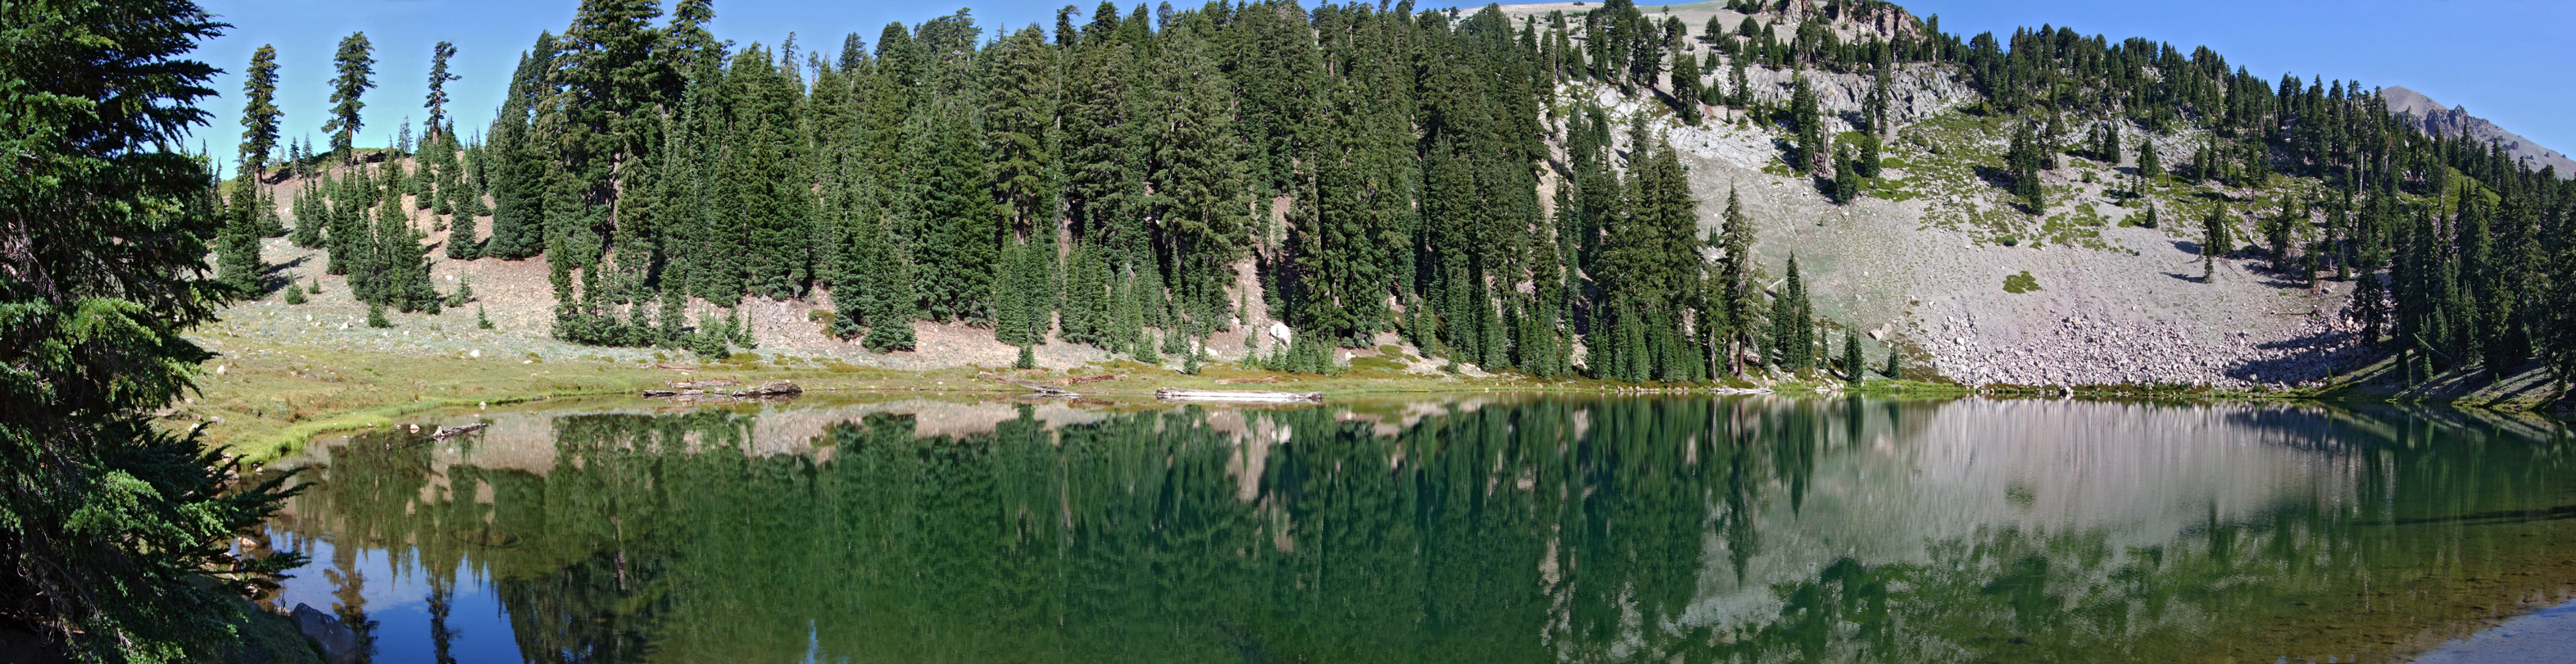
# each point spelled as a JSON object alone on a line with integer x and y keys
{"x": 110, "y": 543}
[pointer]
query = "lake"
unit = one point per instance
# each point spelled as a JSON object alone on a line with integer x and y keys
{"x": 1476, "y": 530}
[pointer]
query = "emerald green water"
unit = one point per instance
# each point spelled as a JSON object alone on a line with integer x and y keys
{"x": 1478, "y": 531}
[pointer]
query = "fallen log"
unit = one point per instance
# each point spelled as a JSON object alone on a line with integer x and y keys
{"x": 701, "y": 384}
{"x": 1172, "y": 394}
{"x": 1078, "y": 380}
{"x": 664, "y": 394}
{"x": 445, "y": 433}
{"x": 1039, "y": 390}
{"x": 778, "y": 388}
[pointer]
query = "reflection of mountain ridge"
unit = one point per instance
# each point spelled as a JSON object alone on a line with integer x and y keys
{"x": 1522, "y": 530}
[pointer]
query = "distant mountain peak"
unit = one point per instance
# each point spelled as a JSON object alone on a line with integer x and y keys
{"x": 2438, "y": 120}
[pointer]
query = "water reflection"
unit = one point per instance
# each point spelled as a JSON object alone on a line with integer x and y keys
{"x": 1477, "y": 531}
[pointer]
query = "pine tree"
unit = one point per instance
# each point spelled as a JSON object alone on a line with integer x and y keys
{"x": 259, "y": 112}
{"x": 2150, "y": 165}
{"x": 1807, "y": 130}
{"x": 1853, "y": 370}
{"x": 237, "y": 244}
{"x": 520, "y": 162}
{"x": 1686, "y": 88}
{"x": 1846, "y": 183}
{"x": 950, "y": 215}
{"x": 881, "y": 295}
{"x": 1197, "y": 198}
{"x": 355, "y": 63}
{"x": 1868, "y": 164}
{"x": 1734, "y": 286}
{"x": 437, "y": 99}
{"x": 1793, "y": 335}
{"x": 2214, "y": 241}
{"x": 1895, "y": 369}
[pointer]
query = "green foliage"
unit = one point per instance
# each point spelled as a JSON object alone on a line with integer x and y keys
{"x": 1792, "y": 340}
{"x": 1853, "y": 369}
{"x": 111, "y": 526}
{"x": 2020, "y": 283}
{"x": 237, "y": 258}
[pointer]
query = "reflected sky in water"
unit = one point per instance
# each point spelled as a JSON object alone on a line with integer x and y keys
{"x": 1485, "y": 531}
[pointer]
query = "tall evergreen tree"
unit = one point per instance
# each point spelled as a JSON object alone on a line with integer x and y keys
{"x": 105, "y": 548}
{"x": 259, "y": 111}
{"x": 355, "y": 67}
{"x": 438, "y": 78}
{"x": 1734, "y": 285}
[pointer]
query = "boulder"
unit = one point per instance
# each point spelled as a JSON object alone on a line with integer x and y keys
{"x": 339, "y": 643}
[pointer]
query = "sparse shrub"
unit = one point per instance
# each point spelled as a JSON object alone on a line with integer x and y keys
{"x": 2021, "y": 283}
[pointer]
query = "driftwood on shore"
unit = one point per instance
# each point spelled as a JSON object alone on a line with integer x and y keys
{"x": 765, "y": 390}
{"x": 1172, "y": 394}
{"x": 1039, "y": 390}
{"x": 445, "y": 433}
{"x": 776, "y": 388}
{"x": 701, "y": 384}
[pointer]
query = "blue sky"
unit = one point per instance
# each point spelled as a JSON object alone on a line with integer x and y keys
{"x": 2507, "y": 60}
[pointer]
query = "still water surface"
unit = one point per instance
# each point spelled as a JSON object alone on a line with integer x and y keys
{"x": 1480, "y": 531}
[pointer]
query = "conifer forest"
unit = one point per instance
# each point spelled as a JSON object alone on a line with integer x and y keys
{"x": 1130, "y": 178}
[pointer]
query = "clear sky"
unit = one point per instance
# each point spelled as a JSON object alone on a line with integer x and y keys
{"x": 2507, "y": 60}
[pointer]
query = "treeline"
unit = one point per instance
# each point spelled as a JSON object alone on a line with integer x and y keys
{"x": 1105, "y": 182}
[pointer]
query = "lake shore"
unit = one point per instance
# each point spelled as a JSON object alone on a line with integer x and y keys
{"x": 264, "y": 398}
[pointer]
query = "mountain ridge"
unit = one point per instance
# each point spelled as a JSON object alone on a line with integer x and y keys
{"x": 2447, "y": 121}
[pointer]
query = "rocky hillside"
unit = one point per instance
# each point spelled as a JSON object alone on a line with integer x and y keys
{"x": 2440, "y": 120}
{"x": 1928, "y": 261}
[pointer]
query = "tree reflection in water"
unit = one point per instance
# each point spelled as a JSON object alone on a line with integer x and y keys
{"x": 1486, "y": 532}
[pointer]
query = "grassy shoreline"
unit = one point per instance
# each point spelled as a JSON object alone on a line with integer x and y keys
{"x": 264, "y": 400}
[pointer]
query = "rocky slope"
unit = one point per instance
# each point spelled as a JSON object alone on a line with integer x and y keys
{"x": 1920, "y": 264}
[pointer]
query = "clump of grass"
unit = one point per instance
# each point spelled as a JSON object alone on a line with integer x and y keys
{"x": 2020, "y": 283}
